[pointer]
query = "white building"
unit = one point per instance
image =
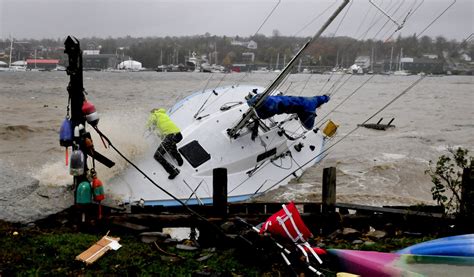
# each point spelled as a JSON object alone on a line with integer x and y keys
{"x": 130, "y": 65}
{"x": 362, "y": 61}
{"x": 465, "y": 57}
{"x": 249, "y": 44}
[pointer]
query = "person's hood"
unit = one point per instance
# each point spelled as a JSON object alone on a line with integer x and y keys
{"x": 161, "y": 110}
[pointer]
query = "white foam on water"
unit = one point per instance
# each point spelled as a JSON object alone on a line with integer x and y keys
{"x": 393, "y": 156}
{"x": 54, "y": 174}
{"x": 445, "y": 148}
{"x": 126, "y": 132}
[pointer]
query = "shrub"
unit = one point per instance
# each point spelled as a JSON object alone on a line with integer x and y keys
{"x": 446, "y": 176}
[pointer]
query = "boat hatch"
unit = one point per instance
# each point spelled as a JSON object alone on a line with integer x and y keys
{"x": 266, "y": 154}
{"x": 194, "y": 153}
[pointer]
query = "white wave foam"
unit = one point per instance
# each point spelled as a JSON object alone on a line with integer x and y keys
{"x": 393, "y": 156}
{"x": 126, "y": 132}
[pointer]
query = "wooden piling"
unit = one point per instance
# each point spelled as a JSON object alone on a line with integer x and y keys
{"x": 467, "y": 193}
{"x": 329, "y": 190}
{"x": 219, "y": 195}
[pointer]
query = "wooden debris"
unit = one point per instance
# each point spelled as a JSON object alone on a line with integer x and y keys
{"x": 378, "y": 125}
{"x": 97, "y": 250}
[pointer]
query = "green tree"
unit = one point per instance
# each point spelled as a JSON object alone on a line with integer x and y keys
{"x": 446, "y": 176}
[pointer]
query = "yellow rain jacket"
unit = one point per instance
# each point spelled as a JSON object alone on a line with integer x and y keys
{"x": 162, "y": 122}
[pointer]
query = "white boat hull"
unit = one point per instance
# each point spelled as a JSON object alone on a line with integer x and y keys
{"x": 253, "y": 166}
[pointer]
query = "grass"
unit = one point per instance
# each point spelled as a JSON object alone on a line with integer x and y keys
{"x": 51, "y": 251}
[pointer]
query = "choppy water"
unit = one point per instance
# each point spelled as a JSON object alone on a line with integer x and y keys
{"x": 373, "y": 167}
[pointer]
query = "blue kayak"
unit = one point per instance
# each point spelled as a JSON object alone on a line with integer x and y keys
{"x": 462, "y": 245}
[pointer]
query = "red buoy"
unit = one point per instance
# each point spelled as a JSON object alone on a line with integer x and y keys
{"x": 88, "y": 109}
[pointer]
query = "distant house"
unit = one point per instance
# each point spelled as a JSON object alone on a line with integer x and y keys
{"x": 417, "y": 65}
{"x": 465, "y": 57}
{"x": 93, "y": 61}
{"x": 252, "y": 45}
{"x": 248, "y": 57}
{"x": 430, "y": 56}
{"x": 249, "y": 44}
{"x": 362, "y": 62}
{"x": 41, "y": 64}
{"x": 130, "y": 65}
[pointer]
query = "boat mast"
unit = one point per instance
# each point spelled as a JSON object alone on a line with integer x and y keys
{"x": 400, "y": 66}
{"x": 372, "y": 60}
{"x": 250, "y": 113}
{"x": 277, "y": 61}
{"x": 11, "y": 51}
{"x": 391, "y": 57}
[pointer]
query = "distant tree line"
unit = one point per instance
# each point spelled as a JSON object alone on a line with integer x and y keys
{"x": 327, "y": 51}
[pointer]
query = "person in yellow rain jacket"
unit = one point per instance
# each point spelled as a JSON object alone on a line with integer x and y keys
{"x": 170, "y": 135}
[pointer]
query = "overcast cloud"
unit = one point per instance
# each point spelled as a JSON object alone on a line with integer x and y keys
{"x": 103, "y": 18}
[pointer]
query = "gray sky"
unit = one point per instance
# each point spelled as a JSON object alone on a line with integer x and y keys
{"x": 103, "y": 18}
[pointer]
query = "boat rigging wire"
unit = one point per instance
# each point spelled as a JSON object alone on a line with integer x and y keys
{"x": 351, "y": 131}
{"x": 343, "y": 17}
{"x": 345, "y": 99}
{"x": 314, "y": 19}
{"x": 388, "y": 20}
{"x": 434, "y": 20}
{"x": 381, "y": 16}
{"x": 233, "y": 132}
{"x": 203, "y": 90}
{"x": 399, "y": 25}
{"x": 268, "y": 16}
{"x": 363, "y": 19}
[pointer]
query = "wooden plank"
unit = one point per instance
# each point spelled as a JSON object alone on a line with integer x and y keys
{"x": 129, "y": 225}
{"x": 373, "y": 209}
{"x": 97, "y": 250}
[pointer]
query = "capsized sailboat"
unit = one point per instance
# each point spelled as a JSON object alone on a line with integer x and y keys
{"x": 221, "y": 130}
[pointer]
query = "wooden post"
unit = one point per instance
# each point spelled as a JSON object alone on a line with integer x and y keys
{"x": 219, "y": 194}
{"x": 467, "y": 192}
{"x": 329, "y": 190}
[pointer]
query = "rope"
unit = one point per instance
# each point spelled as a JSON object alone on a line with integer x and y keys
{"x": 314, "y": 19}
{"x": 345, "y": 99}
{"x": 268, "y": 16}
{"x": 190, "y": 211}
{"x": 203, "y": 90}
{"x": 432, "y": 22}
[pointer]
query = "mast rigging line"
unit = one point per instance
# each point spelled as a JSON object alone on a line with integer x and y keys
{"x": 434, "y": 20}
{"x": 233, "y": 132}
{"x": 345, "y": 99}
{"x": 388, "y": 20}
{"x": 400, "y": 26}
{"x": 372, "y": 24}
{"x": 202, "y": 108}
{"x": 268, "y": 16}
{"x": 204, "y": 103}
{"x": 351, "y": 131}
{"x": 314, "y": 19}
{"x": 342, "y": 19}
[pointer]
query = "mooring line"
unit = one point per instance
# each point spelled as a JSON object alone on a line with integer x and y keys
{"x": 187, "y": 208}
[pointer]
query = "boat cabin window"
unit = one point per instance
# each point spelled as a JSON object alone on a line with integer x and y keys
{"x": 266, "y": 154}
{"x": 194, "y": 153}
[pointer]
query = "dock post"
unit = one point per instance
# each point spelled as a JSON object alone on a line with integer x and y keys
{"x": 219, "y": 195}
{"x": 330, "y": 222}
{"x": 467, "y": 197}
{"x": 329, "y": 190}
